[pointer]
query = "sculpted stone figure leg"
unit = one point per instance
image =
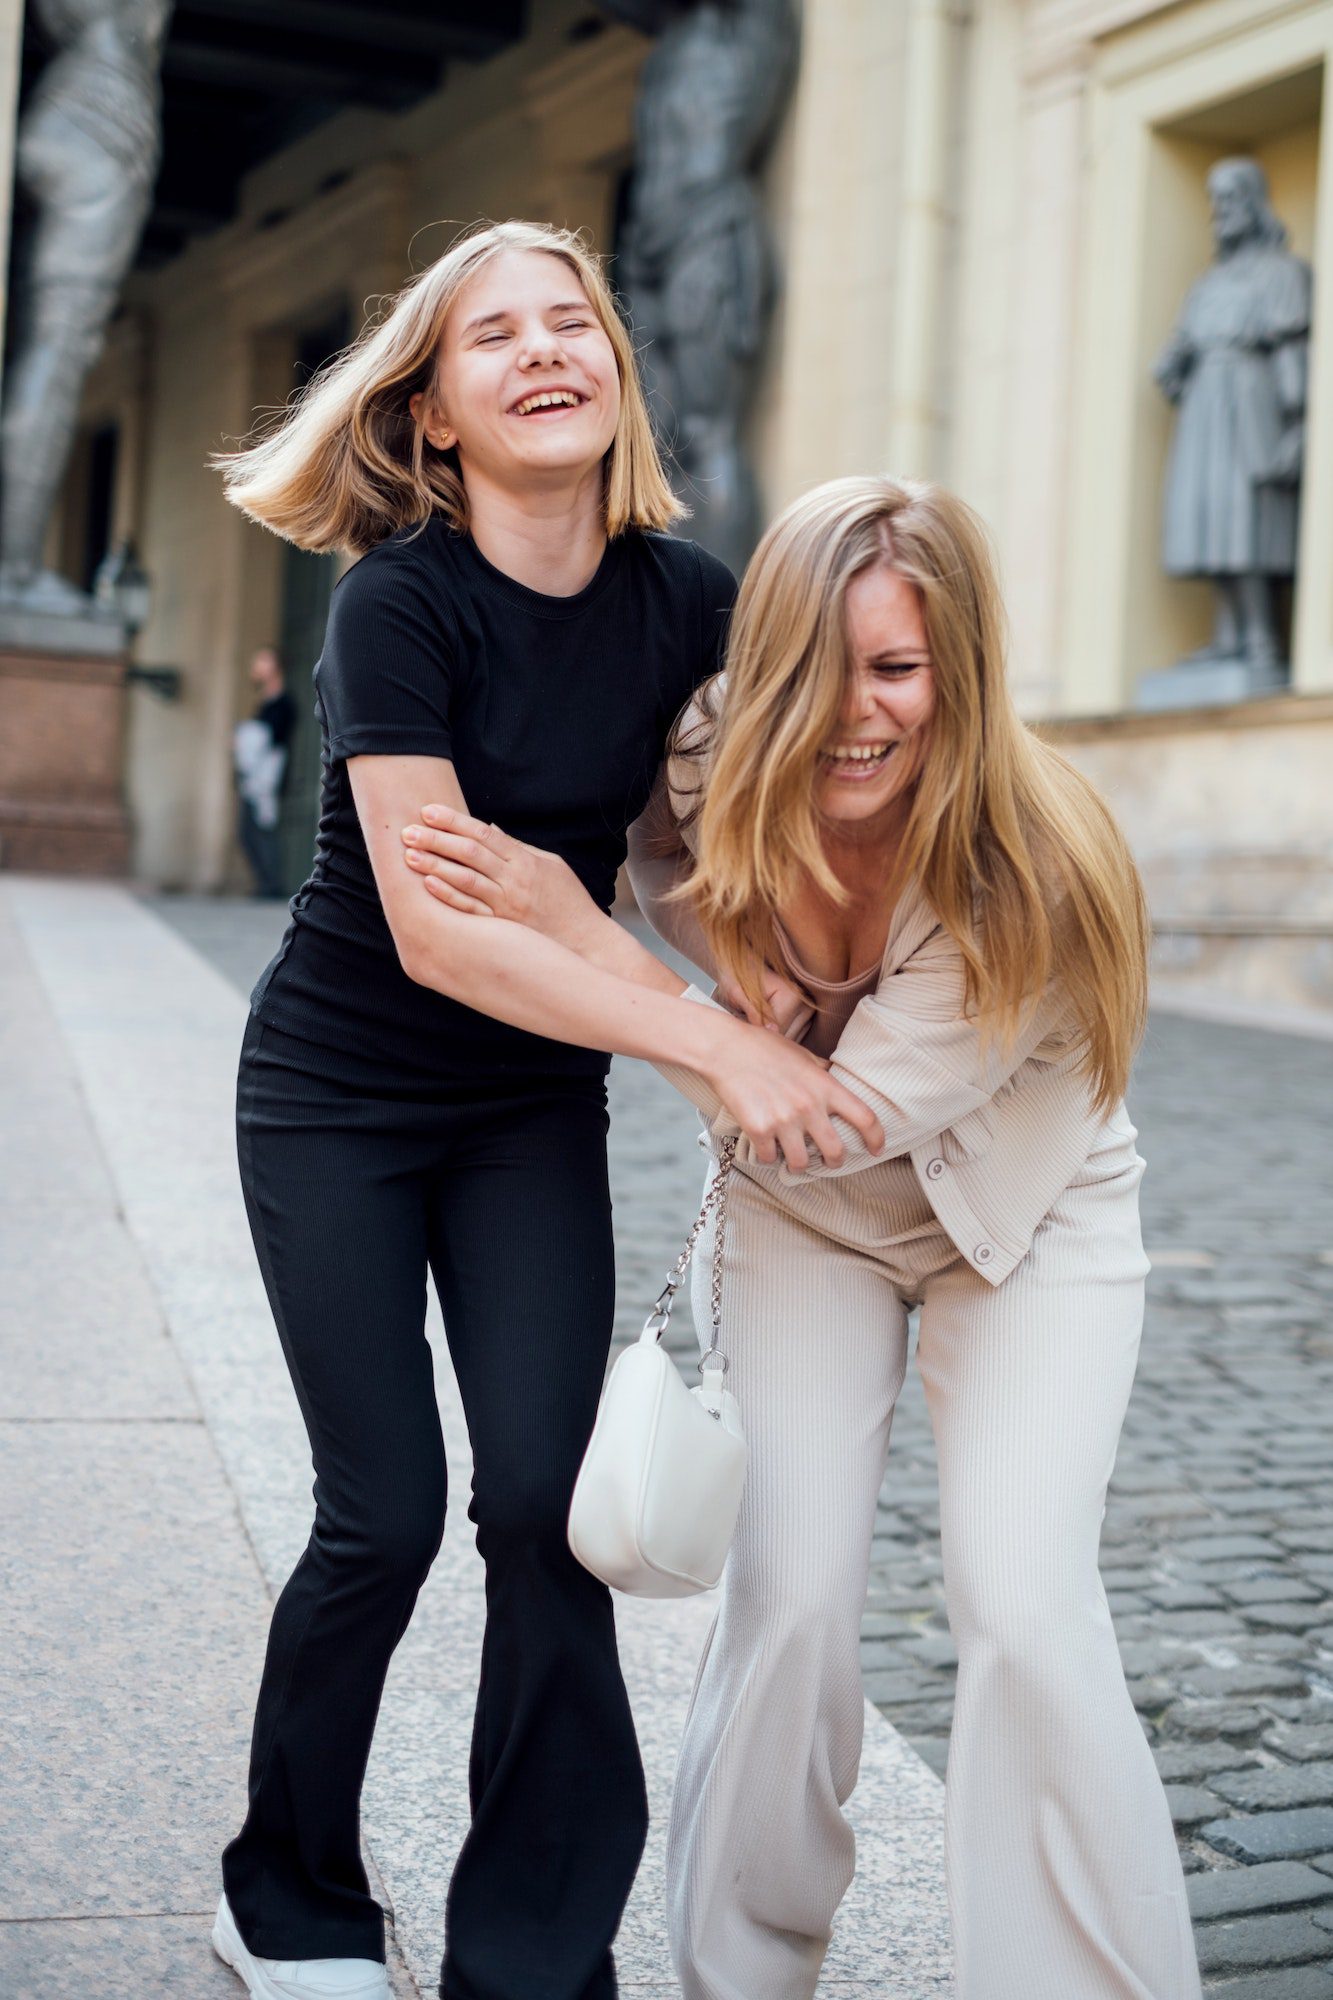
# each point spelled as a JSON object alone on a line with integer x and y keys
{"x": 86, "y": 160}
{"x": 1244, "y": 626}
{"x": 695, "y": 263}
{"x": 1260, "y": 642}
{"x": 60, "y": 329}
{"x": 1225, "y": 643}
{"x": 711, "y": 344}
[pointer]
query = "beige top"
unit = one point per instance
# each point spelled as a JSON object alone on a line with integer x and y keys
{"x": 995, "y": 1132}
{"x": 835, "y": 999}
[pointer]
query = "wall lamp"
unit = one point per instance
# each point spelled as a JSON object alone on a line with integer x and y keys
{"x": 124, "y": 586}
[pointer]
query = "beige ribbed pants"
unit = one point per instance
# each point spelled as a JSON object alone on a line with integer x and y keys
{"x": 1063, "y": 1877}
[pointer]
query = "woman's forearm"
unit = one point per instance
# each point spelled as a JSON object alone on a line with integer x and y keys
{"x": 601, "y": 941}
{"x": 781, "y": 1097}
{"x": 618, "y": 997}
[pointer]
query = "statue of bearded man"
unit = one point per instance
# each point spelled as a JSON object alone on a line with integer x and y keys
{"x": 1235, "y": 368}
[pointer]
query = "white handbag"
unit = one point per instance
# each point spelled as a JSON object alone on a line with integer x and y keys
{"x": 657, "y": 1495}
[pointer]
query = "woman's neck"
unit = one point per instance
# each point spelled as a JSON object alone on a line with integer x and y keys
{"x": 837, "y": 940}
{"x": 863, "y": 854}
{"x": 551, "y": 541}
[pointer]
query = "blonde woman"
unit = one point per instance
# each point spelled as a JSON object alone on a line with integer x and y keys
{"x": 879, "y": 856}
{"x": 420, "y": 1092}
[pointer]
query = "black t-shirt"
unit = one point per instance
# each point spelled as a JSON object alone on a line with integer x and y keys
{"x": 554, "y": 710}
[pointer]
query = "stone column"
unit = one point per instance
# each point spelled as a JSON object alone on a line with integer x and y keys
{"x": 1034, "y": 519}
{"x": 925, "y": 220}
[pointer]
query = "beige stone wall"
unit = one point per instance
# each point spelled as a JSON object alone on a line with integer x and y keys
{"x": 1069, "y": 215}
{"x": 862, "y": 195}
{"x": 1164, "y": 102}
{"x": 1066, "y": 219}
{"x": 1228, "y": 813}
{"x": 825, "y": 391}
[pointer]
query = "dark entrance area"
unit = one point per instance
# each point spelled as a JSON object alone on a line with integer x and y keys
{"x": 307, "y": 581}
{"x": 242, "y": 78}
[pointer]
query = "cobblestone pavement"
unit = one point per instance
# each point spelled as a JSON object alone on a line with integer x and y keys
{"x": 1217, "y": 1549}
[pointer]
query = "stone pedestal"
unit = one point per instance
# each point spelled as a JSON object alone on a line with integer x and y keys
{"x": 1207, "y": 684}
{"x": 1227, "y": 812}
{"x": 62, "y": 753}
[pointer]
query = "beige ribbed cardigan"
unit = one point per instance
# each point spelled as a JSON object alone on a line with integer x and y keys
{"x": 994, "y": 1132}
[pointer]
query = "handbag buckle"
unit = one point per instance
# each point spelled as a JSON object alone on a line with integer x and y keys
{"x": 659, "y": 1319}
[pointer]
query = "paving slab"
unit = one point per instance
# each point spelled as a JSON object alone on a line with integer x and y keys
{"x": 1303, "y": 1784}
{"x": 162, "y": 1955}
{"x": 105, "y": 1349}
{"x": 144, "y": 1958}
{"x": 1268, "y": 1885}
{"x": 136, "y": 1613}
{"x": 136, "y": 1624}
{"x": 1298, "y": 1982}
{"x": 1270, "y": 1836}
{"x": 1249, "y": 1941}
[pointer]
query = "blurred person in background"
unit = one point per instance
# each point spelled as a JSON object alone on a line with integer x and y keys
{"x": 260, "y": 750}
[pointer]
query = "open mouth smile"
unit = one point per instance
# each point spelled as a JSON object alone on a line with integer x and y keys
{"x": 856, "y": 762}
{"x": 548, "y": 402}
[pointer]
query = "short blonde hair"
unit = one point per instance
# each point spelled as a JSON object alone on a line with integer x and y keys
{"x": 347, "y": 463}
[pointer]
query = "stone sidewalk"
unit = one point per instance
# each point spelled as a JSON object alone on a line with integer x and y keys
{"x": 156, "y": 1492}
{"x": 136, "y": 1607}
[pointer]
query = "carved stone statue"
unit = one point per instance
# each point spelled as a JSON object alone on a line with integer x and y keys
{"x": 1235, "y": 368}
{"x": 86, "y": 159}
{"x": 695, "y": 262}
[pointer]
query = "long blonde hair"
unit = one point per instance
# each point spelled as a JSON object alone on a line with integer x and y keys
{"x": 1015, "y": 851}
{"x": 347, "y": 463}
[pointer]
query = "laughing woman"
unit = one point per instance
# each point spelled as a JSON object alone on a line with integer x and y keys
{"x": 418, "y": 1091}
{"x": 881, "y": 858}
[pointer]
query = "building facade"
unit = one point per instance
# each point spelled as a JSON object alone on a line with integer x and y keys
{"x": 987, "y": 213}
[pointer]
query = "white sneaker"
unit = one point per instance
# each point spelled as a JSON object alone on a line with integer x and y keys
{"x": 297, "y": 1978}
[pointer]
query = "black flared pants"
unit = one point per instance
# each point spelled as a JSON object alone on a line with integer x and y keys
{"x": 354, "y": 1190}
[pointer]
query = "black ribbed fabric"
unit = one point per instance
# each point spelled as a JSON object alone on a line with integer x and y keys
{"x": 554, "y": 711}
{"x": 351, "y": 1194}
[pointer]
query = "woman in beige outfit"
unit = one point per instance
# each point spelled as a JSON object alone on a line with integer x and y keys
{"x": 882, "y": 863}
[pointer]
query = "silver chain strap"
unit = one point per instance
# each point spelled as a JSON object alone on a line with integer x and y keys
{"x": 716, "y": 1199}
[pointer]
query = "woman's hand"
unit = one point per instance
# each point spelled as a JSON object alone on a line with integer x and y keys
{"x": 783, "y": 1098}
{"x": 474, "y": 867}
{"x": 790, "y": 1010}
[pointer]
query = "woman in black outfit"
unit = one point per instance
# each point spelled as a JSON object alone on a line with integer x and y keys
{"x": 418, "y": 1090}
